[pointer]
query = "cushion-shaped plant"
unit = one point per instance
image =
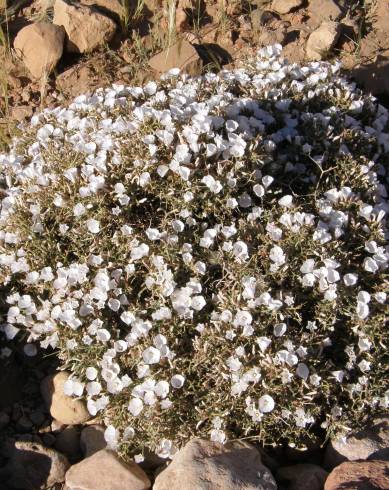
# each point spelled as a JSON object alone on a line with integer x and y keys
{"x": 207, "y": 254}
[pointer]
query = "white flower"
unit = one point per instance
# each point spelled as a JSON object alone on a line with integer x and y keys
{"x": 135, "y": 406}
{"x": 259, "y": 190}
{"x": 364, "y": 366}
{"x": 380, "y": 297}
{"x": 217, "y": 435}
{"x": 363, "y": 297}
{"x": 103, "y": 335}
{"x": 286, "y": 201}
{"x": 277, "y": 255}
{"x": 240, "y": 251}
{"x": 279, "y": 329}
{"x": 302, "y": 371}
{"x": 177, "y": 381}
{"x": 350, "y": 279}
{"x": 233, "y": 364}
{"x": 364, "y": 344}
{"x": 93, "y": 226}
{"x": 266, "y": 404}
{"x": 93, "y": 388}
{"x": 138, "y": 253}
{"x": 91, "y": 373}
{"x": 110, "y": 434}
{"x": 151, "y": 355}
{"x": 263, "y": 343}
{"x": 79, "y": 210}
{"x": 370, "y": 265}
{"x": 161, "y": 389}
{"x": 362, "y": 310}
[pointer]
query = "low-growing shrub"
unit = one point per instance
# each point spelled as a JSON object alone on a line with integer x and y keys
{"x": 207, "y": 254}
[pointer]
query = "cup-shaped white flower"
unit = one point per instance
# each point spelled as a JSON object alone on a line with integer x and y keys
{"x": 177, "y": 381}
{"x": 266, "y": 404}
{"x": 135, "y": 406}
{"x": 151, "y": 355}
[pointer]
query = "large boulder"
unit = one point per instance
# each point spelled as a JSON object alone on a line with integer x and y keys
{"x": 369, "y": 443}
{"x": 302, "y": 476}
{"x": 322, "y": 40}
{"x": 181, "y": 55}
{"x": 33, "y": 466}
{"x": 86, "y": 27}
{"x": 213, "y": 466}
{"x": 105, "y": 471}
{"x": 63, "y": 408}
{"x": 363, "y": 475}
{"x": 40, "y": 47}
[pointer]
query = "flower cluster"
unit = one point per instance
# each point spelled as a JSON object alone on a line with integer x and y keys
{"x": 208, "y": 255}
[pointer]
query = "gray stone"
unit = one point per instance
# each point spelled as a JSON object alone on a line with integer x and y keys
{"x": 105, "y": 471}
{"x": 68, "y": 442}
{"x": 369, "y": 443}
{"x": 92, "y": 439}
{"x": 33, "y": 466}
{"x": 207, "y": 465}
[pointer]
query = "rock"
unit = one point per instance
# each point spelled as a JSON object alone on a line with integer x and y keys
{"x": 33, "y": 466}
{"x": 40, "y": 47}
{"x": 85, "y": 27}
{"x": 322, "y": 40}
{"x": 302, "y": 476}
{"x": 363, "y": 475}
{"x": 213, "y": 466}
{"x": 285, "y": 6}
{"x": 181, "y": 55}
{"x": 24, "y": 424}
{"x": 369, "y": 443}
{"x": 37, "y": 417}
{"x": 4, "y": 420}
{"x": 64, "y": 408}
{"x": 104, "y": 471}
{"x": 181, "y": 20}
{"x": 92, "y": 440}
{"x": 48, "y": 439}
{"x": 322, "y": 10}
{"x": 68, "y": 442}
{"x": 113, "y": 8}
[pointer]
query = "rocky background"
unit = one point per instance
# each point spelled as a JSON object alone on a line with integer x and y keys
{"x": 54, "y": 50}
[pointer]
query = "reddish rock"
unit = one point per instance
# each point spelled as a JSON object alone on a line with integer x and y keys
{"x": 364, "y": 475}
{"x": 85, "y": 27}
{"x": 322, "y": 40}
{"x": 181, "y": 55}
{"x": 40, "y": 47}
{"x": 369, "y": 443}
{"x": 285, "y": 6}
